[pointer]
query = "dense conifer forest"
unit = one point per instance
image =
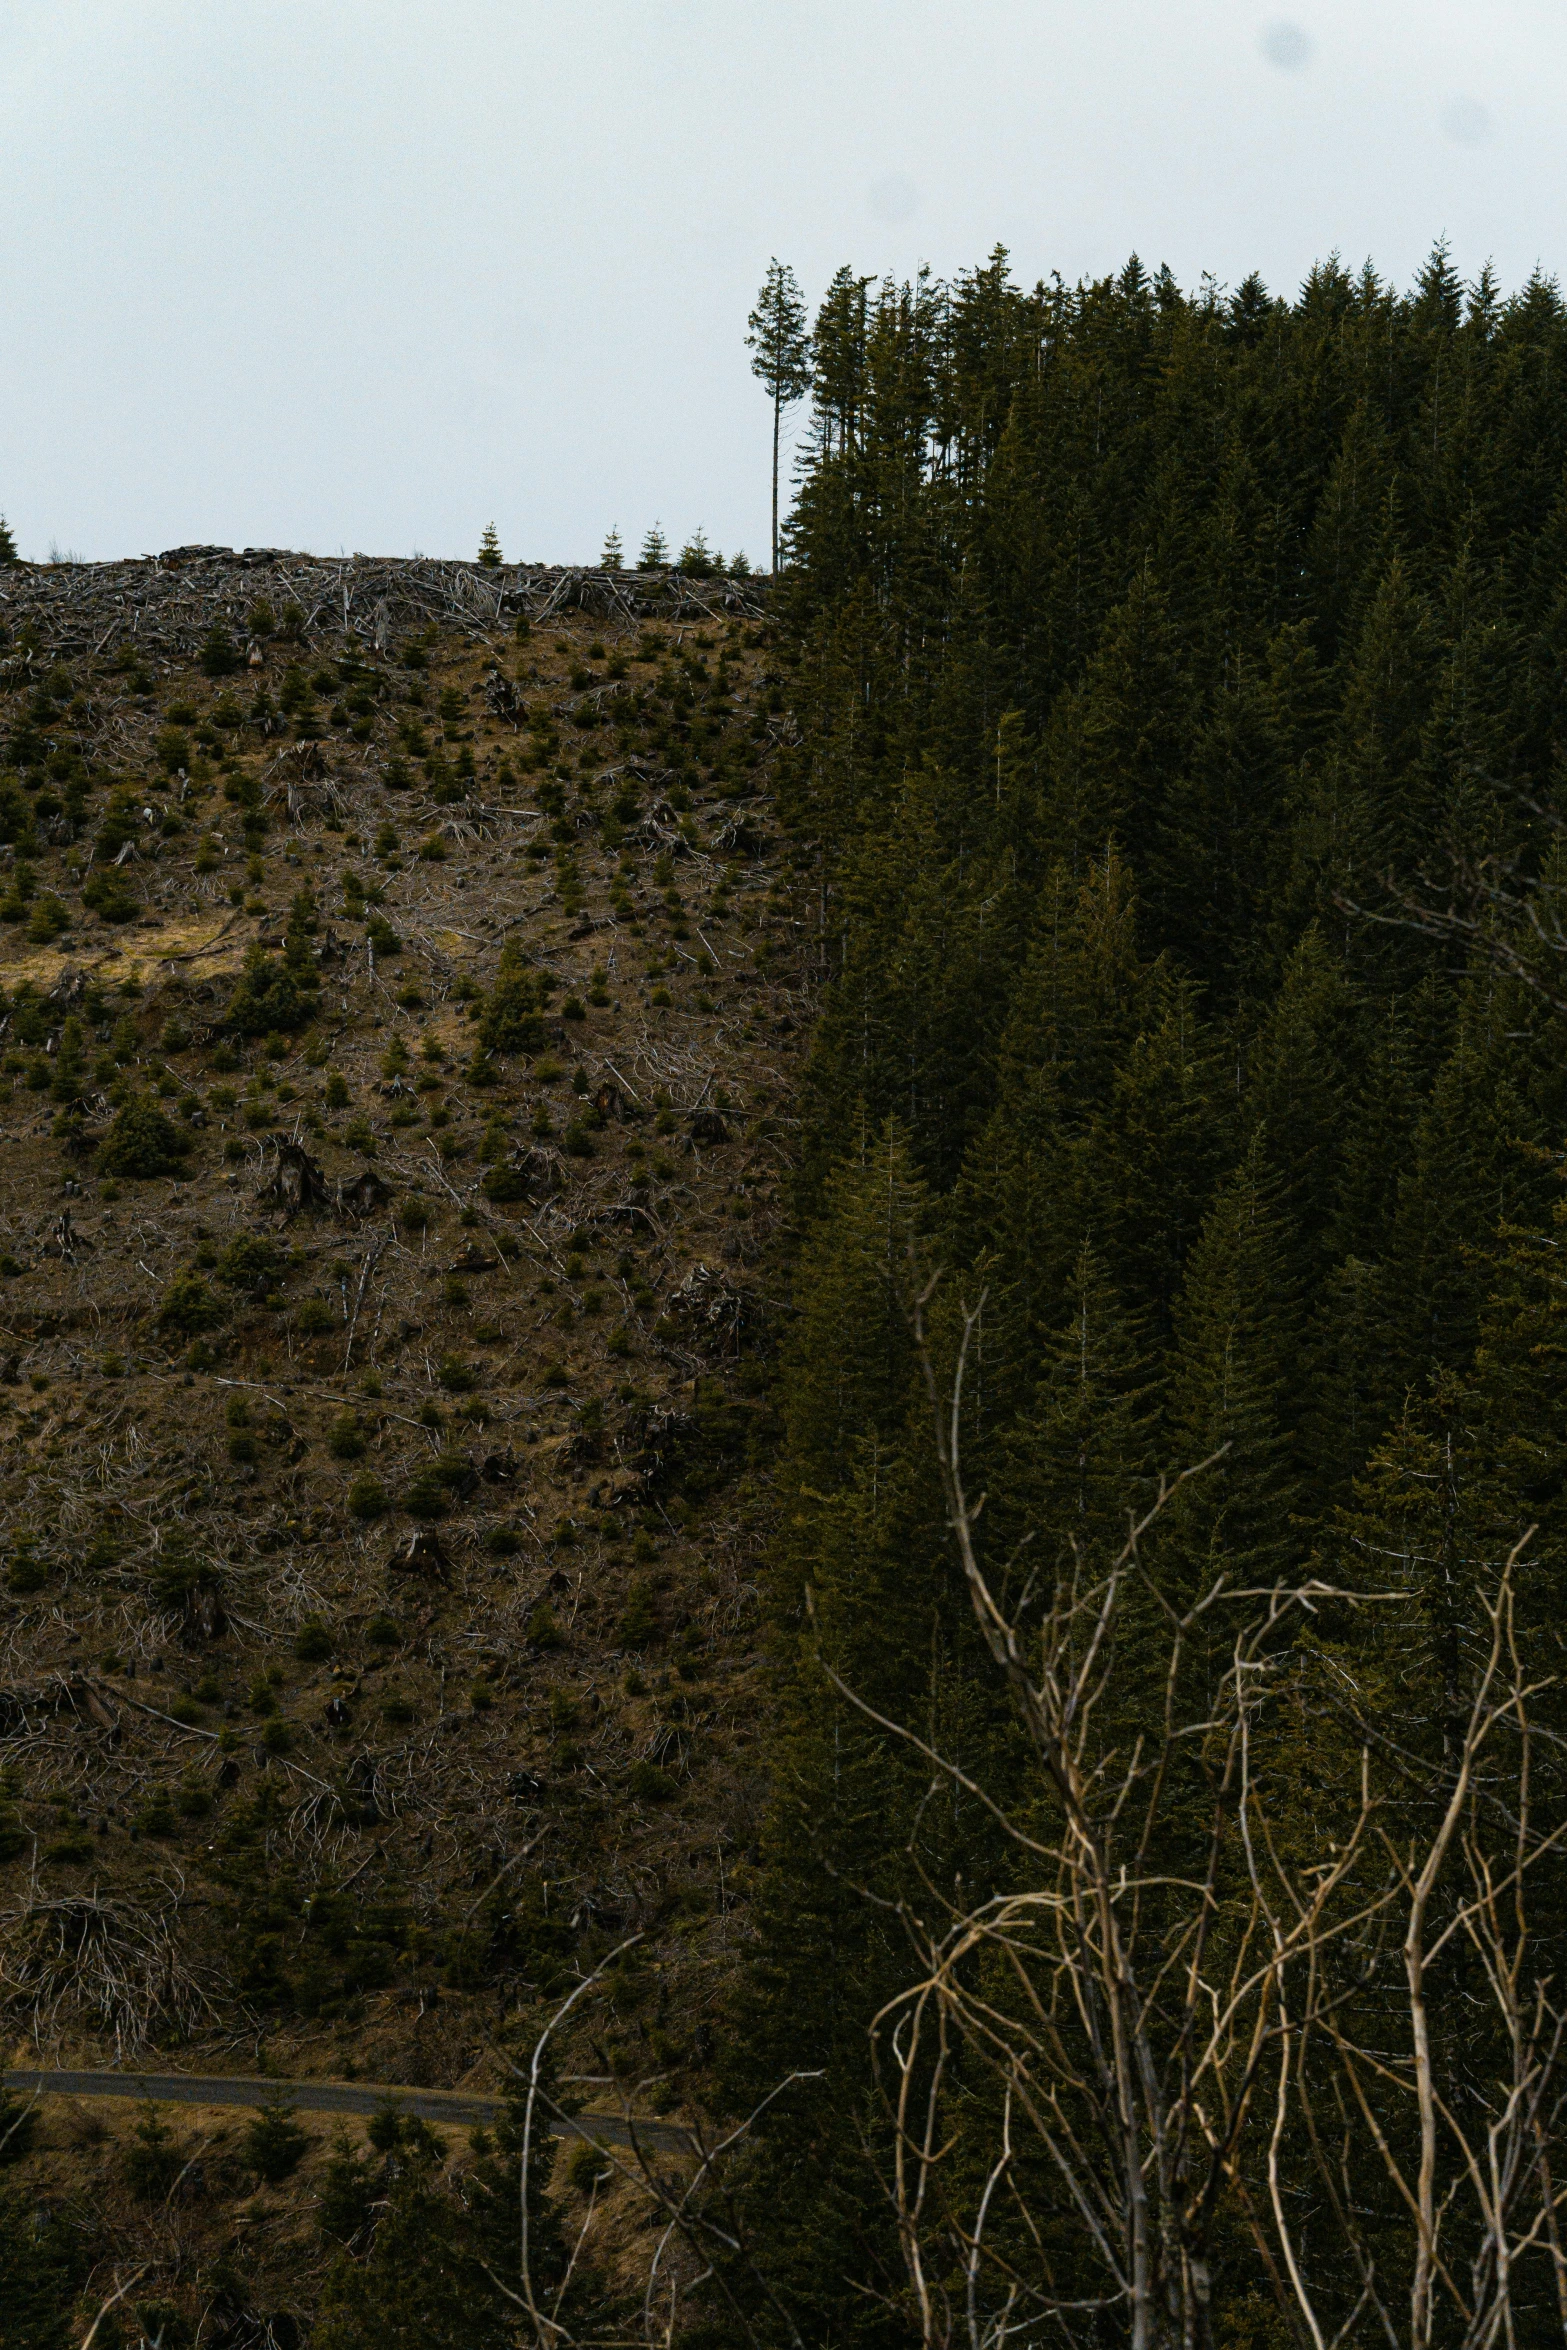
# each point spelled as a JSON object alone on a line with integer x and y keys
{"x": 1181, "y": 702}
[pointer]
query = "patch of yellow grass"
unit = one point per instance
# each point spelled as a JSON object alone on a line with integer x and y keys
{"x": 206, "y": 942}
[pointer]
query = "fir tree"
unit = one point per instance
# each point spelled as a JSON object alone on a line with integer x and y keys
{"x": 8, "y": 553}
{"x": 655, "y": 551}
{"x": 1234, "y": 1388}
{"x": 490, "y": 549}
{"x": 511, "y": 1020}
{"x": 781, "y": 355}
{"x": 697, "y": 557}
{"x": 610, "y": 559}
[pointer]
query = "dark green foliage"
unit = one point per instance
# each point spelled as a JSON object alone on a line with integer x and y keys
{"x": 1135, "y": 642}
{"x": 512, "y": 1021}
{"x": 367, "y": 1498}
{"x": 190, "y": 1306}
{"x": 70, "y": 1068}
{"x": 278, "y": 995}
{"x": 252, "y": 1264}
{"x": 434, "y": 1486}
{"x": 422, "y": 2261}
{"x": 220, "y": 656}
{"x": 780, "y": 351}
{"x": 43, "y": 2263}
{"x": 153, "y": 2161}
{"x": 176, "y": 1579}
{"x": 274, "y": 2143}
{"x": 110, "y": 896}
{"x": 143, "y": 1142}
{"x": 269, "y": 996}
{"x": 346, "y": 1439}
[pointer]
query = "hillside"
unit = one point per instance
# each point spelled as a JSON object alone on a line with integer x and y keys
{"x": 402, "y": 987}
{"x": 1097, "y": 1843}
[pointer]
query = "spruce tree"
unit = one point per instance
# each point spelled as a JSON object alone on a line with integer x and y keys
{"x": 655, "y": 551}
{"x": 610, "y": 559}
{"x": 1235, "y": 1387}
{"x": 490, "y": 549}
{"x": 781, "y": 356}
{"x": 8, "y": 553}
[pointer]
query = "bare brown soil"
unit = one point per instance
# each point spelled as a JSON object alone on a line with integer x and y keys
{"x": 378, "y": 1643}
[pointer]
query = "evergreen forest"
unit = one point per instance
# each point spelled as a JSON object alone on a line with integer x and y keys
{"x": 1181, "y": 701}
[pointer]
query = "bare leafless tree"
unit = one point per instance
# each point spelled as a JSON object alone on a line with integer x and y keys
{"x": 1508, "y": 910}
{"x": 679, "y": 2184}
{"x": 1188, "y": 2020}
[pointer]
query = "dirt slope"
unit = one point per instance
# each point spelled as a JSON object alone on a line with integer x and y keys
{"x": 382, "y": 1486}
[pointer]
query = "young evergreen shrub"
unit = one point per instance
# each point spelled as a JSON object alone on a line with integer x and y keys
{"x": 503, "y": 1185}
{"x": 26, "y": 1573}
{"x": 543, "y": 1628}
{"x": 697, "y": 557}
{"x": 426, "y": 1497}
{"x": 490, "y": 549}
{"x": 220, "y": 656}
{"x": 47, "y": 920}
{"x": 142, "y": 1142}
{"x": 153, "y": 2161}
{"x": 367, "y": 1499}
{"x": 270, "y": 996}
{"x": 639, "y": 1618}
{"x": 649, "y": 1784}
{"x": 189, "y": 1306}
{"x": 274, "y": 2143}
{"x": 108, "y": 894}
{"x": 512, "y": 1021}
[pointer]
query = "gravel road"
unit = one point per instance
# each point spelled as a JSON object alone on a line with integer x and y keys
{"x": 347, "y": 2097}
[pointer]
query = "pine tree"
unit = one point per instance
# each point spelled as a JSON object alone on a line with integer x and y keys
{"x": 697, "y": 557}
{"x": 655, "y": 551}
{"x": 1070, "y": 1468}
{"x": 8, "y": 553}
{"x": 511, "y": 1020}
{"x": 609, "y": 560}
{"x": 781, "y": 355}
{"x": 417, "y": 2280}
{"x": 1234, "y": 1387}
{"x": 490, "y": 549}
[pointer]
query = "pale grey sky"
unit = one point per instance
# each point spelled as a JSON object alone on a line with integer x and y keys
{"x": 364, "y": 276}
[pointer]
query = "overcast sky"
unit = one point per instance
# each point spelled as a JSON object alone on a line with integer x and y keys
{"x": 366, "y": 276}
